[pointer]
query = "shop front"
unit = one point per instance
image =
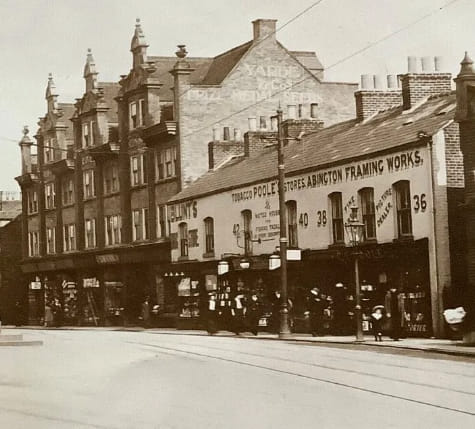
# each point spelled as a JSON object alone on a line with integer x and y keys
{"x": 403, "y": 265}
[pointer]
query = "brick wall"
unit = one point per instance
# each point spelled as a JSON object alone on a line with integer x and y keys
{"x": 453, "y": 156}
{"x": 264, "y": 70}
{"x": 370, "y": 102}
{"x": 293, "y": 128}
{"x": 417, "y": 87}
{"x": 219, "y": 151}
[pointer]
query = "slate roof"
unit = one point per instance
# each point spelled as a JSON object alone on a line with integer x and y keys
{"x": 68, "y": 112}
{"x": 9, "y": 209}
{"x": 110, "y": 92}
{"x": 336, "y": 144}
{"x": 224, "y": 63}
{"x": 165, "y": 64}
{"x": 212, "y": 71}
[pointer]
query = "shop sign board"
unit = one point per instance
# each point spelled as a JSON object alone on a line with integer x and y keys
{"x": 110, "y": 258}
{"x": 184, "y": 287}
{"x": 90, "y": 282}
{"x": 35, "y": 285}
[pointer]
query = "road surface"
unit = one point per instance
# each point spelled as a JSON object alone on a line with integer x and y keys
{"x": 105, "y": 379}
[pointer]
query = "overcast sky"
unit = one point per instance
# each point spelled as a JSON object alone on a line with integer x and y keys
{"x": 42, "y": 36}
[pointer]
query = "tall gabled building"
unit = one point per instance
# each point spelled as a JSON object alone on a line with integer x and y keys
{"x": 96, "y": 236}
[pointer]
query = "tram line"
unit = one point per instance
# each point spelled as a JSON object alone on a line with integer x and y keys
{"x": 172, "y": 350}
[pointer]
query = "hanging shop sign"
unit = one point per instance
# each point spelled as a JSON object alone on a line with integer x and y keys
{"x": 68, "y": 285}
{"x": 90, "y": 282}
{"x": 35, "y": 285}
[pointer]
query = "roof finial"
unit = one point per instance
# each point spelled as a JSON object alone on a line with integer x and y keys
{"x": 25, "y": 130}
{"x": 182, "y": 52}
{"x": 139, "y": 38}
{"x": 467, "y": 65}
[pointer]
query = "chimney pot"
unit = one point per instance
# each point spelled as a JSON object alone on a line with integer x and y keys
{"x": 216, "y": 136}
{"x": 226, "y": 133}
{"x": 439, "y": 63}
{"x": 252, "y": 123}
{"x": 413, "y": 64}
{"x": 292, "y": 111}
{"x": 427, "y": 64}
{"x": 367, "y": 81}
{"x": 378, "y": 82}
{"x": 262, "y": 123}
{"x": 392, "y": 81}
{"x": 314, "y": 110}
{"x": 237, "y": 134}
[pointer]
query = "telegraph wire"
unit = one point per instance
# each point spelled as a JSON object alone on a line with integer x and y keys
{"x": 310, "y": 76}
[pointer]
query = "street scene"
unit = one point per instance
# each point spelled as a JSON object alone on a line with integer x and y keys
{"x": 111, "y": 379}
{"x": 237, "y": 214}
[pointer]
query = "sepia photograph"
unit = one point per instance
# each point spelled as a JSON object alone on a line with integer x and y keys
{"x": 237, "y": 214}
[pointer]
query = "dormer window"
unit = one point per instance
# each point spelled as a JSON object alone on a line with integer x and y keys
{"x": 50, "y": 195}
{"x": 136, "y": 114}
{"x": 89, "y": 189}
{"x": 49, "y": 154}
{"x": 88, "y": 134}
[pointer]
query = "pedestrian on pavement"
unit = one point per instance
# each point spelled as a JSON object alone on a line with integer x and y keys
{"x": 18, "y": 314}
{"x": 212, "y": 314}
{"x": 394, "y": 311}
{"x": 49, "y": 318}
{"x": 315, "y": 311}
{"x": 377, "y": 318}
{"x": 57, "y": 313}
{"x": 274, "y": 319}
{"x": 238, "y": 311}
{"x": 340, "y": 310}
{"x": 146, "y": 312}
{"x": 253, "y": 312}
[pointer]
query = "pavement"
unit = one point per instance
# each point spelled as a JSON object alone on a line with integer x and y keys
{"x": 433, "y": 345}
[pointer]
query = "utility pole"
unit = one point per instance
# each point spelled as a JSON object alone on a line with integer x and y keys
{"x": 284, "y": 330}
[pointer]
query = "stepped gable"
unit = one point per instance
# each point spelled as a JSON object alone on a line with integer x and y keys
{"x": 336, "y": 144}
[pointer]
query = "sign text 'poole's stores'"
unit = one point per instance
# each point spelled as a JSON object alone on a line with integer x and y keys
{"x": 362, "y": 170}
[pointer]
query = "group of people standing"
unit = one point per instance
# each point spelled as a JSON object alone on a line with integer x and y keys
{"x": 335, "y": 314}
{"x": 242, "y": 316}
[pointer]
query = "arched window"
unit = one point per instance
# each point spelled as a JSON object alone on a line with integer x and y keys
{"x": 366, "y": 197}
{"x": 247, "y": 230}
{"x": 183, "y": 237}
{"x": 337, "y": 217}
{"x": 403, "y": 208}
{"x": 209, "y": 234}
{"x": 292, "y": 223}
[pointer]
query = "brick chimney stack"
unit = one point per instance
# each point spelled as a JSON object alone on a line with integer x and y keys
{"x": 264, "y": 28}
{"x": 465, "y": 116}
{"x": 423, "y": 79}
{"x": 374, "y": 96}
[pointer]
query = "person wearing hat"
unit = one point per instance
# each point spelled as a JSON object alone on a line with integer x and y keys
{"x": 253, "y": 313}
{"x": 340, "y": 312}
{"x": 211, "y": 314}
{"x": 377, "y": 318}
{"x": 316, "y": 304}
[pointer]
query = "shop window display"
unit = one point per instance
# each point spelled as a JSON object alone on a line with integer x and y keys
{"x": 188, "y": 293}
